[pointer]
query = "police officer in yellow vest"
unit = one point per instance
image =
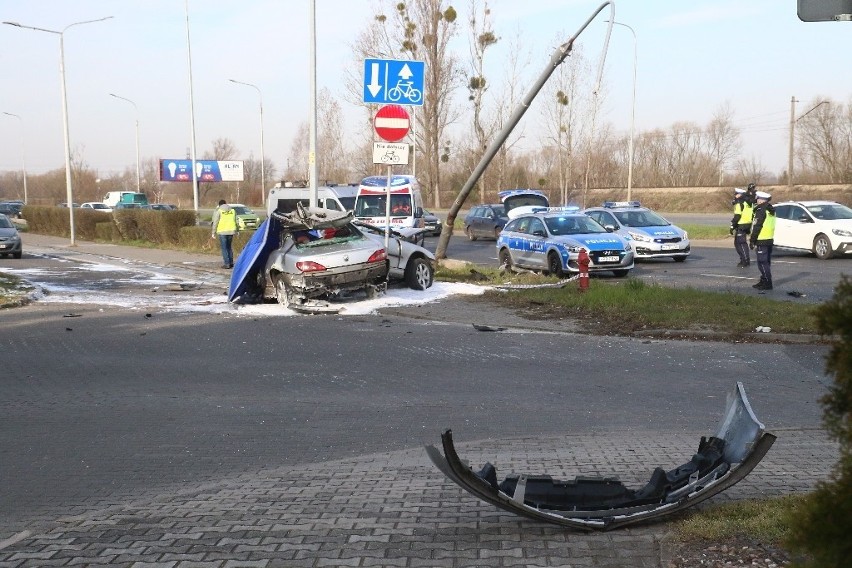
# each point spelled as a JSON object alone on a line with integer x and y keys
{"x": 763, "y": 237}
{"x": 225, "y": 227}
{"x": 741, "y": 225}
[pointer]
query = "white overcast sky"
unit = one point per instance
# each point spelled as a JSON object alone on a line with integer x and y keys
{"x": 693, "y": 56}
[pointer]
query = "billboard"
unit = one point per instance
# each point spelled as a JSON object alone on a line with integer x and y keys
{"x": 205, "y": 170}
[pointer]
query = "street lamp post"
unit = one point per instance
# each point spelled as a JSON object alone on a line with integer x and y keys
{"x": 69, "y": 191}
{"x": 23, "y": 152}
{"x": 138, "y": 176}
{"x": 632, "y": 116}
{"x": 793, "y": 121}
{"x": 262, "y": 168}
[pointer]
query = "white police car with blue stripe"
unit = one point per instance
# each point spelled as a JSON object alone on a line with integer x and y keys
{"x": 550, "y": 239}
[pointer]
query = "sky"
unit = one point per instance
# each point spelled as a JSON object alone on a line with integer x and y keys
{"x": 691, "y": 58}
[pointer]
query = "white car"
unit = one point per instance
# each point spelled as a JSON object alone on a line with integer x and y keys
{"x": 97, "y": 206}
{"x": 821, "y": 227}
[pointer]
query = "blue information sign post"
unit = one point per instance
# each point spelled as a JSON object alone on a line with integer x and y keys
{"x": 392, "y": 81}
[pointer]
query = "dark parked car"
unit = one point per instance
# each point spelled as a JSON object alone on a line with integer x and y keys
{"x": 10, "y": 240}
{"x": 11, "y": 209}
{"x": 485, "y": 221}
{"x": 433, "y": 223}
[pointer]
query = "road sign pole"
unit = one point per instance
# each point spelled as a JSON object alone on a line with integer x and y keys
{"x": 388, "y": 210}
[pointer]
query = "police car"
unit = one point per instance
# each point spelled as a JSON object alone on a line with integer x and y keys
{"x": 550, "y": 239}
{"x": 652, "y": 235}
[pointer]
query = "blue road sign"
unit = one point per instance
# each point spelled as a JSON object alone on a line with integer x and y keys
{"x": 391, "y": 81}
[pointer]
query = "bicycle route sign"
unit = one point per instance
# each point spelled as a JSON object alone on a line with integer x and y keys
{"x": 390, "y": 154}
{"x": 393, "y": 81}
{"x": 392, "y": 123}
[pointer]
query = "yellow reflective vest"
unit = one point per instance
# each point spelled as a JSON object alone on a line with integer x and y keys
{"x": 767, "y": 231}
{"x": 746, "y": 213}
{"x": 227, "y": 222}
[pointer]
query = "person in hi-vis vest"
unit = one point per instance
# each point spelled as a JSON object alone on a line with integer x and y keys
{"x": 763, "y": 237}
{"x": 225, "y": 227}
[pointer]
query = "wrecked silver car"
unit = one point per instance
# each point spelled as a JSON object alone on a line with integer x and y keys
{"x": 604, "y": 503}
{"x": 306, "y": 255}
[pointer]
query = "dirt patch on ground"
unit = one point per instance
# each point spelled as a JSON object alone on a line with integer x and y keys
{"x": 738, "y": 551}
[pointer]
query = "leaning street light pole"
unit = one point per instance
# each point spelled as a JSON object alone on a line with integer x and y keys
{"x": 138, "y": 176}
{"x": 262, "y": 169}
{"x": 632, "y": 116}
{"x": 793, "y": 121}
{"x": 556, "y": 59}
{"x": 23, "y": 152}
{"x": 68, "y": 186}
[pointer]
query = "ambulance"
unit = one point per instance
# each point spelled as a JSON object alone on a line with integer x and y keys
{"x": 406, "y": 202}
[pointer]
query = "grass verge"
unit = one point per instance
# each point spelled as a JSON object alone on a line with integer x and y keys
{"x": 13, "y": 292}
{"x": 766, "y": 520}
{"x": 627, "y": 306}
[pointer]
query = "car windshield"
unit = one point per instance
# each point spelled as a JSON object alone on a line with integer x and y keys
{"x": 5, "y": 223}
{"x": 572, "y": 225}
{"x": 347, "y": 202}
{"x": 243, "y": 211}
{"x": 830, "y": 212}
{"x": 374, "y": 205}
{"x": 640, "y": 218}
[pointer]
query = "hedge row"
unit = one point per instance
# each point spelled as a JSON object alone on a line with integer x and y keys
{"x": 173, "y": 229}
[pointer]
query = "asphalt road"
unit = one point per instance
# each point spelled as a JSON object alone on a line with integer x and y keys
{"x": 710, "y": 266}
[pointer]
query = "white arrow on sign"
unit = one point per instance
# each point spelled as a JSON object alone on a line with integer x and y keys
{"x": 374, "y": 79}
{"x": 405, "y": 72}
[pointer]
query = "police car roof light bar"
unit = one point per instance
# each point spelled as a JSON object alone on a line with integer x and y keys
{"x": 612, "y": 204}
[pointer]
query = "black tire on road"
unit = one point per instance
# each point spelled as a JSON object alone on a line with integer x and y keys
{"x": 679, "y": 258}
{"x": 620, "y": 273}
{"x": 419, "y": 274}
{"x": 281, "y": 291}
{"x": 822, "y": 247}
{"x": 554, "y": 264}
{"x": 469, "y": 233}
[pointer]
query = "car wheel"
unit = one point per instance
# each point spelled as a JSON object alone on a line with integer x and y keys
{"x": 469, "y": 232}
{"x": 282, "y": 293}
{"x": 497, "y": 232}
{"x": 419, "y": 274}
{"x": 822, "y": 247}
{"x": 554, "y": 265}
{"x": 17, "y": 254}
{"x": 505, "y": 258}
{"x": 679, "y": 258}
{"x": 620, "y": 273}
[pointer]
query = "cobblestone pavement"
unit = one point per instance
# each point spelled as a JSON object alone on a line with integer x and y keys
{"x": 396, "y": 509}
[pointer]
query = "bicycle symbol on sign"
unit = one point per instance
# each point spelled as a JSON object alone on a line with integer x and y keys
{"x": 405, "y": 89}
{"x": 390, "y": 157}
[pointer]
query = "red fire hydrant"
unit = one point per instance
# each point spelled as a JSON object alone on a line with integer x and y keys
{"x": 583, "y": 264}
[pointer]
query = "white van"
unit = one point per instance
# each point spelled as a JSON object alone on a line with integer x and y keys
{"x": 406, "y": 202}
{"x": 114, "y": 198}
{"x": 285, "y": 195}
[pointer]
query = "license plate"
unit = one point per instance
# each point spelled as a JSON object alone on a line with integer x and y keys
{"x": 669, "y": 247}
{"x": 607, "y": 259}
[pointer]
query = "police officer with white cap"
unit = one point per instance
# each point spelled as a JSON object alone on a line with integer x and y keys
{"x": 763, "y": 237}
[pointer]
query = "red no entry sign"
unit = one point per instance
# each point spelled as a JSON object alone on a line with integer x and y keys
{"x": 392, "y": 123}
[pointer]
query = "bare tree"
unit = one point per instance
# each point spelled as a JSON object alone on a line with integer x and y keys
{"x": 565, "y": 105}
{"x": 424, "y": 31}
{"x": 482, "y": 37}
{"x": 723, "y": 138}
{"x": 825, "y": 142}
